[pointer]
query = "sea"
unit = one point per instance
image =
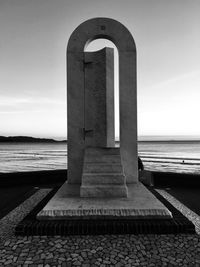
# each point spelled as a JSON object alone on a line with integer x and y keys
{"x": 180, "y": 157}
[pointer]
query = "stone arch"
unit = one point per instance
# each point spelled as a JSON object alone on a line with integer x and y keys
{"x": 117, "y": 33}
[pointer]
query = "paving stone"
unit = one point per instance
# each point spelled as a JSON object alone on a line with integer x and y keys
{"x": 107, "y": 250}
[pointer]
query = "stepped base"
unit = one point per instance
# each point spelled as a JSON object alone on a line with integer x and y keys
{"x": 140, "y": 204}
{"x": 103, "y": 175}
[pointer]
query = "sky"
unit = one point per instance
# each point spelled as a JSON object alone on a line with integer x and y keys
{"x": 33, "y": 41}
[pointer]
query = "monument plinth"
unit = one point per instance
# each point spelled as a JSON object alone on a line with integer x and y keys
{"x": 102, "y": 180}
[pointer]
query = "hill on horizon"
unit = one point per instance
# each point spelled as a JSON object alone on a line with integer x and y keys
{"x": 29, "y": 139}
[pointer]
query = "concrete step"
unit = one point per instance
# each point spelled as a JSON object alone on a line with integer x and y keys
{"x": 103, "y": 179}
{"x": 102, "y": 167}
{"x": 102, "y": 159}
{"x": 94, "y": 151}
{"x": 103, "y": 191}
{"x": 103, "y": 173}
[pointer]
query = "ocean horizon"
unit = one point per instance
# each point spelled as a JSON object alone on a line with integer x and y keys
{"x": 165, "y": 156}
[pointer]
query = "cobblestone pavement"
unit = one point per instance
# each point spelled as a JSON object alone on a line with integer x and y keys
{"x": 107, "y": 250}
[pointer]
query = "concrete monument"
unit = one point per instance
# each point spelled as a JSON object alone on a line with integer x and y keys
{"x": 102, "y": 180}
{"x": 121, "y": 37}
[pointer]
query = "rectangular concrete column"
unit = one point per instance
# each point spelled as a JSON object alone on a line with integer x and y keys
{"x": 128, "y": 115}
{"x": 99, "y": 98}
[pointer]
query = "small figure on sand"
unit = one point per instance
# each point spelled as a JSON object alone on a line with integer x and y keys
{"x": 140, "y": 164}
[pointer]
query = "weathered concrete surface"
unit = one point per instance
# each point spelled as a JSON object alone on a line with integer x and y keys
{"x": 103, "y": 178}
{"x": 99, "y": 98}
{"x": 139, "y": 204}
{"x": 121, "y": 37}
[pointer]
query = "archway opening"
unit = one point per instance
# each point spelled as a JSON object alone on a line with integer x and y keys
{"x": 96, "y": 45}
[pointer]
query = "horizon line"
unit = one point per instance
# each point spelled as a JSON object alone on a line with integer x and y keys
{"x": 117, "y": 139}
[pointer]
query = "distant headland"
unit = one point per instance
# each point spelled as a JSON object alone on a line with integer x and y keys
{"x": 28, "y": 139}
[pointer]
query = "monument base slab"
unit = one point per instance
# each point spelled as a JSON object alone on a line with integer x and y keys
{"x": 67, "y": 204}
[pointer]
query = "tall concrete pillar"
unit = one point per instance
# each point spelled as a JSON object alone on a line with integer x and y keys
{"x": 99, "y": 98}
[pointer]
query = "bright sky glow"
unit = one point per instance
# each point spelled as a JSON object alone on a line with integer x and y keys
{"x": 34, "y": 36}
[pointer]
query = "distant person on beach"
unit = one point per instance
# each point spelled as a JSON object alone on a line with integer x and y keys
{"x": 140, "y": 164}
